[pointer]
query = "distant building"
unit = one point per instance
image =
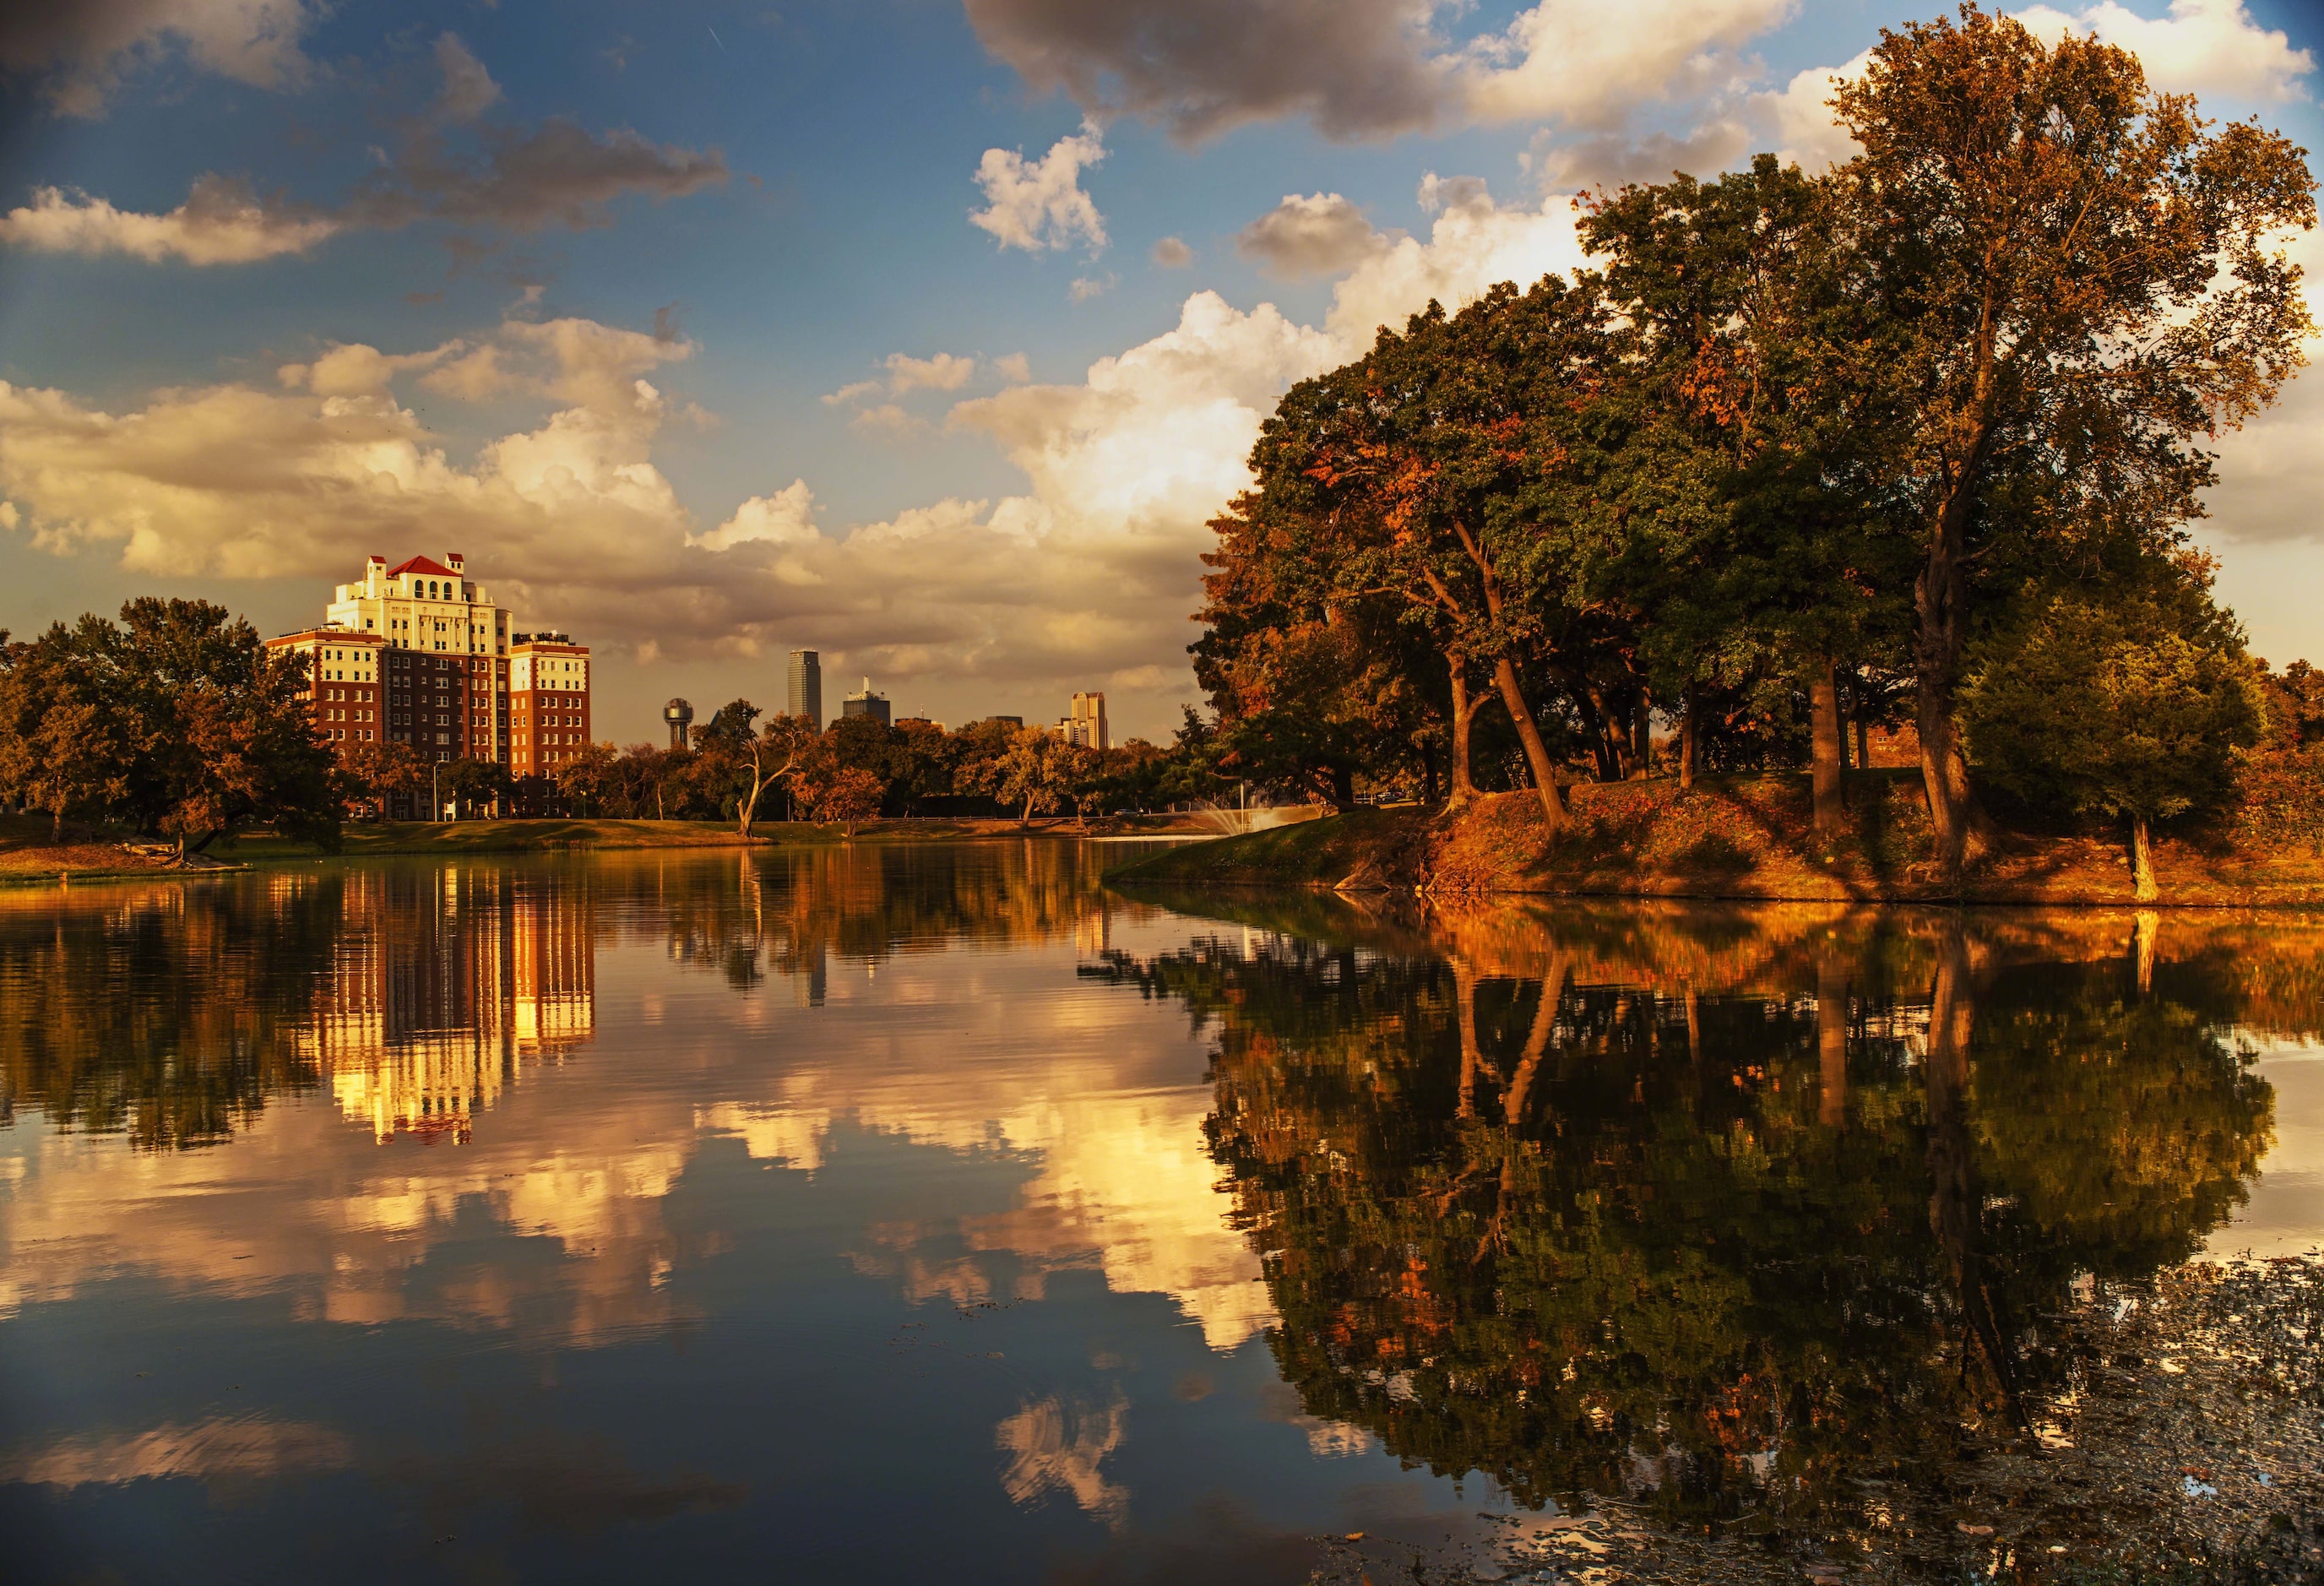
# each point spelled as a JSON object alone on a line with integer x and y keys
{"x": 680, "y": 715}
{"x": 1086, "y": 724}
{"x": 807, "y": 685}
{"x": 902, "y": 722}
{"x": 867, "y": 704}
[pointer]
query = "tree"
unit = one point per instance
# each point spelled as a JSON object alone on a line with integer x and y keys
{"x": 373, "y": 772}
{"x": 844, "y": 794}
{"x": 472, "y": 782}
{"x": 2128, "y": 703}
{"x": 64, "y": 744}
{"x": 744, "y": 763}
{"x": 1033, "y": 772}
{"x": 1743, "y": 547}
{"x": 2076, "y": 280}
{"x": 585, "y": 776}
{"x": 224, "y": 736}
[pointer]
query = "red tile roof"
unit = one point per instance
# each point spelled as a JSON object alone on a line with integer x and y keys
{"x": 423, "y": 567}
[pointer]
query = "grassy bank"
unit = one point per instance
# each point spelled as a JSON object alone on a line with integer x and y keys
{"x": 1748, "y": 837}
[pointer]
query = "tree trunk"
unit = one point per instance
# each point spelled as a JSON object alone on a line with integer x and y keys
{"x": 1939, "y": 595}
{"x": 1825, "y": 755}
{"x": 1863, "y": 739}
{"x": 1464, "y": 716}
{"x": 749, "y": 807}
{"x": 1545, "y": 775}
{"x": 1686, "y": 730}
{"x": 1605, "y": 746}
{"x": 2142, "y": 859}
{"x": 1642, "y": 735}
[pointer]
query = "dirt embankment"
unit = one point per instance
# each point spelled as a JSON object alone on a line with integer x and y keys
{"x": 1748, "y": 837}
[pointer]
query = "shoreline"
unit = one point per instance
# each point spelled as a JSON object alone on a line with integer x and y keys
{"x": 28, "y": 860}
{"x": 1741, "y": 840}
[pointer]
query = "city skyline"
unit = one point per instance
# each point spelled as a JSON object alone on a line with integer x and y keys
{"x": 710, "y": 352}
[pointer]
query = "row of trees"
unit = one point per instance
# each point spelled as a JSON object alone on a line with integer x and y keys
{"x": 740, "y": 766}
{"x": 177, "y": 720}
{"x": 181, "y": 723}
{"x": 1914, "y": 442}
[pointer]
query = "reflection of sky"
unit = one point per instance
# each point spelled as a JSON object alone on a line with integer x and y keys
{"x": 670, "y": 1275}
{"x": 2286, "y": 1213}
{"x": 912, "y": 1256}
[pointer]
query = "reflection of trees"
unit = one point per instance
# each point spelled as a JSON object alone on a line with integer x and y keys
{"x": 790, "y": 911}
{"x": 1744, "y": 1232}
{"x": 168, "y": 1013}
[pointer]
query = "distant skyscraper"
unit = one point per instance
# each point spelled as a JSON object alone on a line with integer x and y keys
{"x": 1086, "y": 724}
{"x": 867, "y": 704}
{"x": 807, "y": 685}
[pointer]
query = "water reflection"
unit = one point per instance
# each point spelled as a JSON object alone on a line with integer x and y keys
{"x": 1735, "y": 1214}
{"x": 935, "y": 1204}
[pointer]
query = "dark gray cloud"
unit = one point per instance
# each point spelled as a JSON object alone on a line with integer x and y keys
{"x": 1356, "y": 69}
{"x": 75, "y": 53}
{"x": 557, "y": 173}
{"x": 1321, "y": 235}
{"x": 1565, "y": 164}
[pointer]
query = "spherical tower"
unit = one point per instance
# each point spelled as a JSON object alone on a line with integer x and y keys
{"x": 680, "y": 716}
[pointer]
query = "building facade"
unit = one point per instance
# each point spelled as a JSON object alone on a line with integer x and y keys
{"x": 421, "y": 606}
{"x": 807, "y": 685}
{"x": 1085, "y": 725}
{"x": 548, "y": 702}
{"x": 868, "y": 704}
{"x": 418, "y": 654}
{"x": 346, "y": 683}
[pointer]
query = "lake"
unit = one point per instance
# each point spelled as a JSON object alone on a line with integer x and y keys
{"x": 910, "y": 1212}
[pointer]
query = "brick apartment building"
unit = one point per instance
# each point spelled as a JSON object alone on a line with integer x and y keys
{"x": 420, "y": 654}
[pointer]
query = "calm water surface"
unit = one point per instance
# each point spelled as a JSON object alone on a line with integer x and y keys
{"x": 929, "y": 1212}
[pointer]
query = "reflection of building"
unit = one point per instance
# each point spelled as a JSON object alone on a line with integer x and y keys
{"x": 1086, "y": 724}
{"x": 807, "y": 686}
{"x": 867, "y": 704}
{"x": 441, "y": 991}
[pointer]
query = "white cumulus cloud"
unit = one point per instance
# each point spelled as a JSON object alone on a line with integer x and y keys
{"x": 2201, "y": 46}
{"x": 221, "y": 222}
{"x": 1084, "y": 577}
{"x": 1037, "y": 204}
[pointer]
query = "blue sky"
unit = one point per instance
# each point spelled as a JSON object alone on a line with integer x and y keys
{"x": 678, "y": 322}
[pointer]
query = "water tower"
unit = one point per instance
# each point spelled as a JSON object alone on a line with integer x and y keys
{"x": 680, "y": 716}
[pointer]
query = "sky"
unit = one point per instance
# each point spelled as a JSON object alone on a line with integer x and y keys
{"x": 928, "y": 334}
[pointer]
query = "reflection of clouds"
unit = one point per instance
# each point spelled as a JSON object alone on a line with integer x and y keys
{"x": 1056, "y": 1444}
{"x": 1125, "y": 1184}
{"x": 222, "y": 1448}
{"x": 358, "y": 1235}
{"x": 975, "y": 1038}
{"x": 791, "y": 1136}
